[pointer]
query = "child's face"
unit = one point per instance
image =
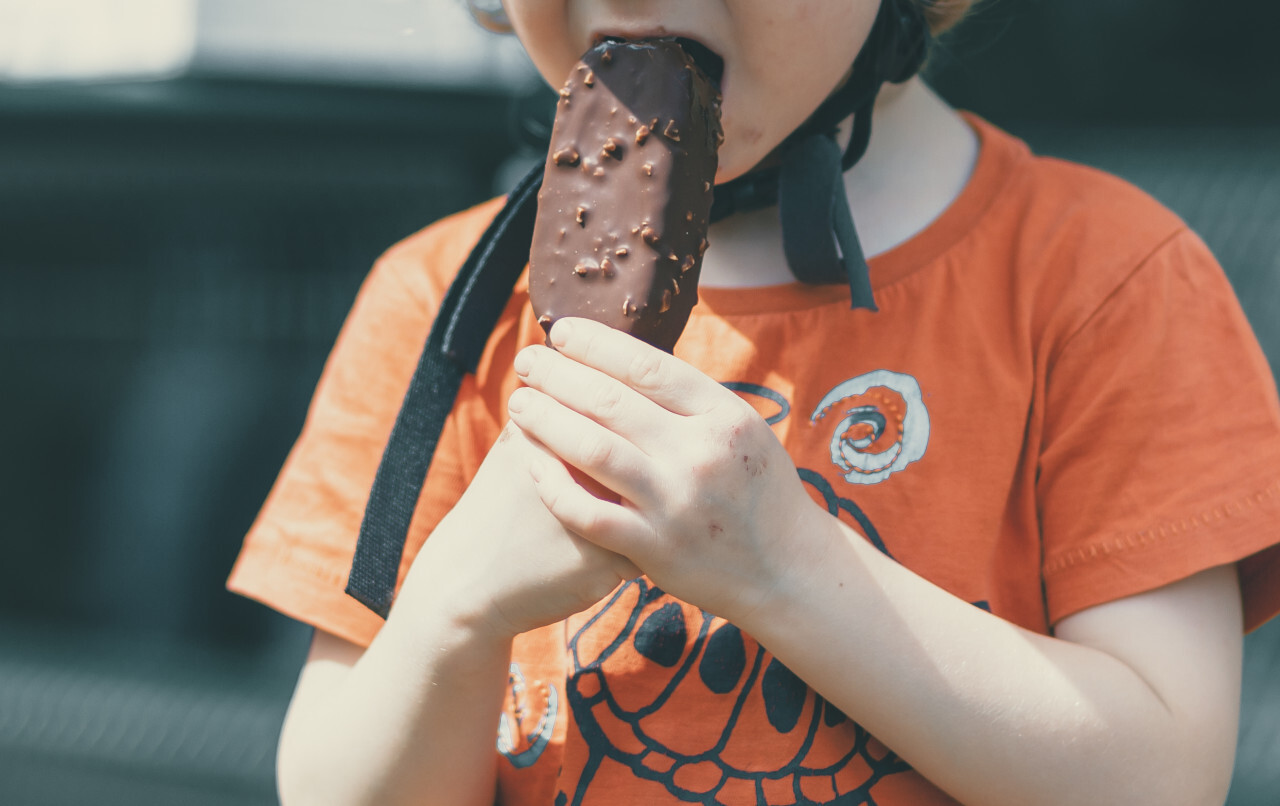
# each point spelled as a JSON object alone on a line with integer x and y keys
{"x": 781, "y": 57}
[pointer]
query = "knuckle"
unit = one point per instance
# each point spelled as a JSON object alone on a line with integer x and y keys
{"x": 596, "y": 451}
{"x": 588, "y": 349}
{"x": 707, "y": 468}
{"x": 737, "y": 415}
{"x": 608, "y": 401}
{"x": 731, "y": 424}
{"x": 562, "y": 506}
{"x": 588, "y": 523}
{"x": 701, "y": 476}
{"x": 552, "y": 499}
{"x": 646, "y": 371}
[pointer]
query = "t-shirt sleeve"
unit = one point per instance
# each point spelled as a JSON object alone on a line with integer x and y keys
{"x": 298, "y": 552}
{"x": 1161, "y": 449}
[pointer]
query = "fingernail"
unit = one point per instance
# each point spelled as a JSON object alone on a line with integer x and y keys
{"x": 523, "y": 362}
{"x": 517, "y": 401}
{"x": 560, "y": 332}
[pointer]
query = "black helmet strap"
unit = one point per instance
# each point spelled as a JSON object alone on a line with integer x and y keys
{"x": 818, "y": 234}
{"x": 809, "y": 189}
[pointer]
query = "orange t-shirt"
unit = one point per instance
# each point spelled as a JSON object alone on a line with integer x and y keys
{"x": 1058, "y": 404}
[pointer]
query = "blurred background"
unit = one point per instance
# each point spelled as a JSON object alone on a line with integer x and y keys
{"x": 191, "y": 192}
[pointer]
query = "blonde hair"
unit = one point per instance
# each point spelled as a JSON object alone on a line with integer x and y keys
{"x": 942, "y": 15}
{"x": 491, "y": 16}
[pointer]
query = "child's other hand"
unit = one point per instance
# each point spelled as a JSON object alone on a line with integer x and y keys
{"x": 711, "y": 508}
{"x": 500, "y": 562}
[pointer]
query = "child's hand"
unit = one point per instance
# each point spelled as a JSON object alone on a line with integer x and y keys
{"x": 711, "y": 508}
{"x": 500, "y": 561}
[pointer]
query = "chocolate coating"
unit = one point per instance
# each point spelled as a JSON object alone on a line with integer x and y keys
{"x": 626, "y": 194}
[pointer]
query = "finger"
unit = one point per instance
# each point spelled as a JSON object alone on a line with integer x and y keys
{"x": 659, "y": 376}
{"x": 591, "y": 392}
{"x": 583, "y": 443}
{"x": 548, "y": 471}
{"x": 610, "y": 526}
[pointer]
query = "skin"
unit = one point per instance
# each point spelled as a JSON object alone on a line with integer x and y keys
{"x": 1130, "y": 702}
{"x": 774, "y": 75}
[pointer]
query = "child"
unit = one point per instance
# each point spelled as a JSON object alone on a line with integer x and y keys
{"x": 993, "y": 543}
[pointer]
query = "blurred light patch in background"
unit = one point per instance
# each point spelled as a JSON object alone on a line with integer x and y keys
{"x": 384, "y": 42}
{"x": 408, "y": 42}
{"x": 77, "y": 40}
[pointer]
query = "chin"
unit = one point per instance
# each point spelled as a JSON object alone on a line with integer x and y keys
{"x": 741, "y": 152}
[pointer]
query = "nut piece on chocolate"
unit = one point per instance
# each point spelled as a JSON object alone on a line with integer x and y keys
{"x": 626, "y": 193}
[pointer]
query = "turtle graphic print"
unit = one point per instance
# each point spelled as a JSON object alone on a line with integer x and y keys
{"x": 685, "y": 707}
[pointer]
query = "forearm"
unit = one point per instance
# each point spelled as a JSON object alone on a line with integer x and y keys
{"x": 414, "y": 720}
{"x": 990, "y": 712}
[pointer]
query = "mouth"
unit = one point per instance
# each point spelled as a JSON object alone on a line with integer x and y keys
{"x": 707, "y": 60}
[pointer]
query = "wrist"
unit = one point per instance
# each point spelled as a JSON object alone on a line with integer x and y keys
{"x": 813, "y": 534}
{"x": 435, "y": 599}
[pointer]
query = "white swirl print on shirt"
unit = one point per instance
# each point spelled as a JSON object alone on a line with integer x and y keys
{"x": 520, "y": 746}
{"x": 640, "y": 658}
{"x": 883, "y": 425}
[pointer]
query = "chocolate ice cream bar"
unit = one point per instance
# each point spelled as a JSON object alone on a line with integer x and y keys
{"x": 626, "y": 193}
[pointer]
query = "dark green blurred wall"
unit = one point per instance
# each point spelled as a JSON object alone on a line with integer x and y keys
{"x": 176, "y": 258}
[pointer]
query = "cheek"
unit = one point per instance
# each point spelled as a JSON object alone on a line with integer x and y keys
{"x": 790, "y": 64}
{"x": 542, "y": 26}
{"x": 757, "y": 119}
{"x": 745, "y": 144}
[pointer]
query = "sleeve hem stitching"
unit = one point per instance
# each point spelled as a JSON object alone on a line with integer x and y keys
{"x": 1157, "y": 534}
